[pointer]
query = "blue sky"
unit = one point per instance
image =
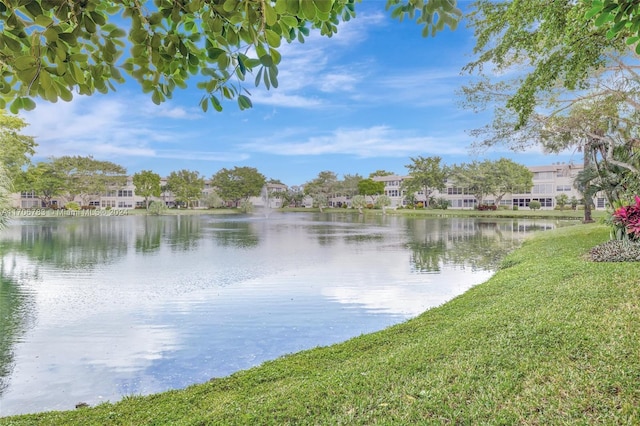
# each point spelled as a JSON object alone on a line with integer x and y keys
{"x": 369, "y": 98}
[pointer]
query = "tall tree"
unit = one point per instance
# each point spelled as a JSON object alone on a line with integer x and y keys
{"x": 426, "y": 174}
{"x": 87, "y": 177}
{"x": 16, "y": 149}
{"x": 496, "y": 178}
{"x": 238, "y": 184}
{"x": 147, "y": 184}
{"x": 380, "y": 173}
{"x": 475, "y": 177}
{"x": 322, "y": 188}
{"x": 45, "y": 181}
{"x": 371, "y": 188}
{"x": 348, "y": 186}
{"x": 508, "y": 177}
{"x": 50, "y": 48}
{"x": 186, "y": 186}
{"x": 293, "y": 195}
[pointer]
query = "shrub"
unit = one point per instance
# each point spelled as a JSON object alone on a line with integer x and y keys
{"x": 369, "y": 206}
{"x": 485, "y": 207}
{"x": 72, "y": 206}
{"x": 440, "y": 203}
{"x": 535, "y": 205}
{"x": 420, "y": 205}
{"x": 616, "y": 251}
{"x": 626, "y": 222}
{"x": 156, "y": 207}
{"x": 515, "y": 207}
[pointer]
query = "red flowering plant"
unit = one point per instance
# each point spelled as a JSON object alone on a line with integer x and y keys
{"x": 626, "y": 222}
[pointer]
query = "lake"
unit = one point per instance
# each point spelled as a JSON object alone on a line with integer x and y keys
{"x": 96, "y": 308}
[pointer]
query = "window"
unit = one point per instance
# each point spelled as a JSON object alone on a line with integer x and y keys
{"x": 456, "y": 191}
{"x": 563, "y": 188}
{"x": 29, "y": 194}
{"x": 600, "y": 203}
{"x": 125, "y": 193}
{"x": 543, "y": 175}
{"x": 521, "y": 202}
{"x": 542, "y": 188}
{"x": 544, "y": 202}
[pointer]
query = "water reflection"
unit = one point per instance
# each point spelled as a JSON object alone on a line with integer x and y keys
{"x": 16, "y": 314}
{"x": 98, "y": 308}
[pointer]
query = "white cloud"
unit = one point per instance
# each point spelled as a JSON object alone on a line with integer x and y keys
{"x": 116, "y": 127}
{"x": 376, "y": 141}
{"x": 306, "y": 66}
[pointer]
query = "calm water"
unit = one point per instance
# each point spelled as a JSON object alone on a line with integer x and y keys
{"x": 93, "y": 309}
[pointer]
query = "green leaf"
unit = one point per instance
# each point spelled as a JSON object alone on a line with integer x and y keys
{"x": 16, "y": 106}
{"x": 22, "y": 63}
{"x": 266, "y": 60}
{"x": 272, "y": 38}
{"x": 28, "y": 104}
{"x": 593, "y": 12}
{"x": 603, "y": 19}
{"x": 157, "y": 97}
{"x": 323, "y": 5}
{"x": 229, "y": 5}
{"x": 215, "y": 103}
{"x": 50, "y": 34}
{"x": 43, "y": 20}
{"x": 214, "y": 52}
{"x": 308, "y": 9}
{"x": 258, "y": 76}
{"x": 244, "y": 102}
{"x": 270, "y": 14}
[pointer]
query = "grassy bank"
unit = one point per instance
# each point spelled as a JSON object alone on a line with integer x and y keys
{"x": 552, "y": 338}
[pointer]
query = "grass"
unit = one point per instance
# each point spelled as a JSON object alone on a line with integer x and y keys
{"x": 551, "y": 338}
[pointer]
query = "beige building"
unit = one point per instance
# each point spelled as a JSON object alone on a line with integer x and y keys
{"x": 548, "y": 182}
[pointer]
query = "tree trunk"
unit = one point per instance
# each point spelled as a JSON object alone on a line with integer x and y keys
{"x": 586, "y": 151}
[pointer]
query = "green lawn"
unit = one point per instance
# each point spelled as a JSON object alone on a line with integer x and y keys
{"x": 552, "y": 338}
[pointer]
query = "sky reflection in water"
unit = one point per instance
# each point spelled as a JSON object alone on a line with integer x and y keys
{"x": 98, "y": 308}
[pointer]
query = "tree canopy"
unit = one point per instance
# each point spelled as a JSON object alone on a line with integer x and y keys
{"x": 45, "y": 181}
{"x": 497, "y": 178}
{"x": 238, "y": 184}
{"x": 426, "y": 174}
{"x": 186, "y": 186}
{"x": 16, "y": 149}
{"x": 371, "y": 188}
{"x": 548, "y": 46}
{"x": 51, "y": 49}
{"x": 86, "y": 176}
{"x": 147, "y": 184}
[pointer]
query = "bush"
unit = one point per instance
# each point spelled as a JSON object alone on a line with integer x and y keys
{"x": 420, "y": 205}
{"x": 626, "y": 222}
{"x": 72, "y": 206}
{"x": 616, "y": 251}
{"x": 485, "y": 207}
{"x": 535, "y": 205}
{"x": 440, "y": 203}
{"x": 515, "y": 207}
{"x": 157, "y": 208}
{"x": 369, "y": 205}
